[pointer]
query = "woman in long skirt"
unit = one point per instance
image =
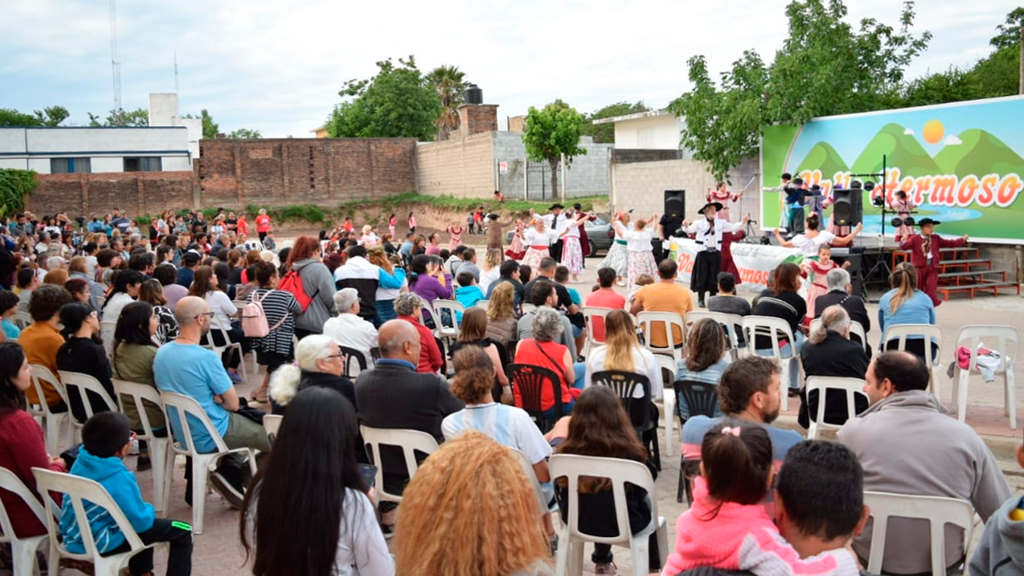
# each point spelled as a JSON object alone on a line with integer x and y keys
{"x": 641, "y": 252}
{"x": 537, "y": 240}
{"x": 903, "y": 208}
{"x": 618, "y": 256}
{"x": 572, "y": 250}
{"x": 517, "y": 250}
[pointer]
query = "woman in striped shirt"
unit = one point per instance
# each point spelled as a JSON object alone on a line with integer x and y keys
{"x": 280, "y": 308}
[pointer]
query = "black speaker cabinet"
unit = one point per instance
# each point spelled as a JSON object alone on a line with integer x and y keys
{"x": 675, "y": 204}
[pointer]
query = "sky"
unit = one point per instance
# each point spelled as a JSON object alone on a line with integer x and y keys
{"x": 277, "y": 65}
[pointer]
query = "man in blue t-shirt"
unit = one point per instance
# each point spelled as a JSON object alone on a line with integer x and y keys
{"x": 185, "y": 367}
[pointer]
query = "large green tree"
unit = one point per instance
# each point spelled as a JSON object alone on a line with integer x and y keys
{"x": 397, "y": 102}
{"x": 450, "y": 84}
{"x": 49, "y": 116}
{"x": 1009, "y": 31}
{"x": 605, "y": 133}
{"x": 121, "y": 117}
{"x": 551, "y": 132}
{"x": 245, "y": 134}
{"x": 825, "y": 67}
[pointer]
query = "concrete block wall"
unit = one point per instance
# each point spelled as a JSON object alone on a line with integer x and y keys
{"x": 588, "y": 175}
{"x": 140, "y": 193}
{"x": 461, "y": 167}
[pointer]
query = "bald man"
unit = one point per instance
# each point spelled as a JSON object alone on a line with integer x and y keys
{"x": 185, "y": 367}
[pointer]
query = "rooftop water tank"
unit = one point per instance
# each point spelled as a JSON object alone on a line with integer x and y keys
{"x": 474, "y": 95}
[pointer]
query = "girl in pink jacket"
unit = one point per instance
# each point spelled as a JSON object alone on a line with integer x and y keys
{"x": 727, "y": 527}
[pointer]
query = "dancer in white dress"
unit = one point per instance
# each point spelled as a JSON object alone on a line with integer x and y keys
{"x": 572, "y": 251}
{"x": 618, "y": 255}
{"x": 537, "y": 240}
{"x": 641, "y": 252}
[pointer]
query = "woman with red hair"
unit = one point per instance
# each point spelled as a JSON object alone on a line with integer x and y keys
{"x": 309, "y": 280}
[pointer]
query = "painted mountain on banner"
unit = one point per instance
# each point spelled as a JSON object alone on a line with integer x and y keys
{"x": 901, "y": 150}
{"x": 980, "y": 153}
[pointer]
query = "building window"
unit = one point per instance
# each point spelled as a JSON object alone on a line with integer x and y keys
{"x": 142, "y": 164}
{"x": 70, "y": 166}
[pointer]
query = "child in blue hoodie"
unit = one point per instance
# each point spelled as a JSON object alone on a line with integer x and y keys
{"x": 467, "y": 293}
{"x": 106, "y": 439}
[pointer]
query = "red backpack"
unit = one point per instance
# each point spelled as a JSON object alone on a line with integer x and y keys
{"x": 292, "y": 282}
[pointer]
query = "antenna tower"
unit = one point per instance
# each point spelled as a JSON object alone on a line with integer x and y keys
{"x": 115, "y": 57}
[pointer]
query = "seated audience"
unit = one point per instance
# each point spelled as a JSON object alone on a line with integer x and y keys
{"x": 830, "y": 352}
{"x": 705, "y": 360}
{"x": 79, "y": 289}
{"x": 604, "y": 297}
{"x": 8, "y": 308}
{"x": 782, "y": 301}
{"x": 726, "y": 301}
{"x": 840, "y": 291}
{"x": 391, "y": 282}
{"x": 501, "y": 316}
{"x": 106, "y": 441}
{"x": 318, "y": 362}
{"x": 125, "y": 290}
{"x": 622, "y": 352}
{"x": 544, "y": 297}
{"x": 491, "y": 269}
{"x": 599, "y": 426}
{"x": 488, "y": 502}
{"x": 895, "y": 441}
{"x": 83, "y": 352}
{"x": 308, "y": 511}
{"x": 21, "y": 440}
{"x": 152, "y": 293}
{"x": 166, "y": 275}
{"x": 542, "y": 349}
{"x": 666, "y": 295}
{"x": 410, "y": 309}
{"x": 425, "y": 278}
{"x": 1001, "y": 545}
{"x": 42, "y": 339}
{"x": 348, "y": 328}
{"x": 27, "y": 281}
{"x": 225, "y": 313}
{"x": 509, "y": 273}
{"x": 474, "y": 333}
{"x": 317, "y": 283}
{"x": 78, "y": 267}
{"x": 133, "y": 353}
{"x": 280, "y": 308}
{"x": 467, "y": 292}
{"x": 905, "y": 304}
{"x": 727, "y": 527}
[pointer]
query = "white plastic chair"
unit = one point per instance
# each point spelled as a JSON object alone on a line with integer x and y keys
{"x": 162, "y": 455}
{"x": 531, "y": 475}
{"x": 856, "y": 329}
{"x": 107, "y": 328}
{"x": 570, "y": 551}
{"x": 53, "y": 421}
{"x": 1003, "y": 339}
{"x": 79, "y": 489}
{"x": 219, "y": 350}
{"x": 444, "y": 331}
{"x": 728, "y": 321}
{"x": 668, "y": 399}
{"x": 900, "y": 332}
{"x": 589, "y": 314}
{"x": 83, "y": 383}
{"x": 670, "y": 321}
{"x": 852, "y": 387}
{"x": 936, "y": 510}
{"x": 23, "y": 550}
{"x": 410, "y": 441}
{"x": 272, "y": 423}
{"x": 22, "y": 319}
{"x": 202, "y": 462}
{"x": 771, "y": 327}
{"x": 485, "y": 304}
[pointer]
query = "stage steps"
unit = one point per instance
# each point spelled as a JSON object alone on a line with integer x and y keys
{"x": 963, "y": 270}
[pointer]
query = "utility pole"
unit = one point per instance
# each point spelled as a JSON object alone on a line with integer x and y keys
{"x": 1020, "y": 81}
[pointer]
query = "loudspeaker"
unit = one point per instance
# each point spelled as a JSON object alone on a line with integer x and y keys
{"x": 848, "y": 208}
{"x": 674, "y": 203}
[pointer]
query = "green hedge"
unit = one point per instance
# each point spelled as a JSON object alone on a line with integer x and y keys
{"x": 15, "y": 185}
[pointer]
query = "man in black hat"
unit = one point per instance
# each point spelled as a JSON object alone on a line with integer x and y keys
{"x": 925, "y": 256}
{"x": 554, "y": 223}
{"x": 708, "y": 264}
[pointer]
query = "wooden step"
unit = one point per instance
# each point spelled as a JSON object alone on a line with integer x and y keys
{"x": 971, "y": 273}
{"x": 968, "y": 262}
{"x": 992, "y": 287}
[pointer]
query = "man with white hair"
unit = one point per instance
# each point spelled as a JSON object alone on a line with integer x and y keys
{"x": 348, "y": 328}
{"x": 185, "y": 367}
{"x": 829, "y": 351}
{"x": 840, "y": 293}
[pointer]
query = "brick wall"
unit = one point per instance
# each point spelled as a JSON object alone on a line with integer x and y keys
{"x": 326, "y": 171}
{"x": 87, "y": 194}
{"x": 457, "y": 167}
{"x": 478, "y": 118}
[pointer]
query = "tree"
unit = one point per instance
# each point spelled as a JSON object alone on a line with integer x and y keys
{"x": 210, "y": 128}
{"x": 121, "y": 117}
{"x": 451, "y": 84}
{"x": 605, "y": 133}
{"x": 551, "y": 132}
{"x": 1009, "y": 31}
{"x": 245, "y": 134}
{"x": 396, "y": 103}
{"x": 825, "y": 67}
{"x": 49, "y": 116}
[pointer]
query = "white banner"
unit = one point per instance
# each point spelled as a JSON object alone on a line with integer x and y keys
{"x": 755, "y": 261}
{"x": 684, "y": 251}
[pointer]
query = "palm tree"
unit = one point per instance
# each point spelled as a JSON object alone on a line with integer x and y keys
{"x": 450, "y": 84}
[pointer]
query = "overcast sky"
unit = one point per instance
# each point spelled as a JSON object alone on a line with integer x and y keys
{"x": 277, "y": 65}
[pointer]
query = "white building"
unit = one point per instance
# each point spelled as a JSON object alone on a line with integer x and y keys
{"x": 66, "y": 150}
{"x": 653, "y": 130}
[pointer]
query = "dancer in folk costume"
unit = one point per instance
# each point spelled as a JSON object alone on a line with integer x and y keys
{"x": 455, "y": 241}
{"x": 638, "y": 243}
{"x": 516, "y": 249}
{"x": 816, "y": 202}
{"x": 554, "y": 223}
{"x": 392, "y": 220}
{"x": 925, "y": 255}
{"x": 903, "y": 208}
{"x": 537, "y": 239}
{"x": 816, "y": 271}
{"x": 572, "y": 251}
{"x": 724, "y": 197}
{"x": 708, "y": 264}
{"x": 584, "y": 241}
{"x": 809, "y": 241}
{"x": 618, "y": 256}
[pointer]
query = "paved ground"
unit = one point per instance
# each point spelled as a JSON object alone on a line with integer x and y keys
{"x": 218, "y": 550}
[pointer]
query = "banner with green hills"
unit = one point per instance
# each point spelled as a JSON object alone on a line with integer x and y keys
{"x": 959, "y": 163}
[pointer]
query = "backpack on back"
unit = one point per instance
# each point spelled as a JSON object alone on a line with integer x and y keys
{"x": 254, "y": 318}
{"x": 292, "y": 282}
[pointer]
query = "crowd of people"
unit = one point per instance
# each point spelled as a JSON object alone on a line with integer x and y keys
{"x": 105, "y": 299}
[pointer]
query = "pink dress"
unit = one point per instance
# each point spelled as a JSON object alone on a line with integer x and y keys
{"x": 456, "y": 240}
{"x": 818, "y": 287}
{"x": 744, "y": 538}
{"x": 903, "y": 209}
{"x": 516, "y": 250}
{"x": 725, "y": 198}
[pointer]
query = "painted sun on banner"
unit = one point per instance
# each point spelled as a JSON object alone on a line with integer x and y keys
{"x": 959, "y": 163}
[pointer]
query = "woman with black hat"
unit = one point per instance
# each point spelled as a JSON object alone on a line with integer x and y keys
{"x": 708, "y": 263}
{"x": 925, "y": 255}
